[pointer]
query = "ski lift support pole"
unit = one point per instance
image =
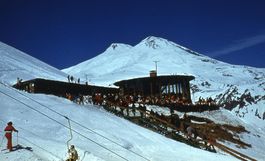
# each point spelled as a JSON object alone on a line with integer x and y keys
{"x": 71, "y": 134}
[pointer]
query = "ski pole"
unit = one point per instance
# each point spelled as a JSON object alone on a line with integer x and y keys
{"x": 17, "y": 138}
{"x": 2, "y": 141}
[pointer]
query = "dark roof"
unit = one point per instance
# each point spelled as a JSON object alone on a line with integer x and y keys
{"x": 164, "y": 78}
{"x": 59, "y": 87}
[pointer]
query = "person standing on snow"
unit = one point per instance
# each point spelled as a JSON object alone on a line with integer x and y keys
{"x": 9, "y": 129}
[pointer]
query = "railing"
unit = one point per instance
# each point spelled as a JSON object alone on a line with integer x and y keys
{"x": 176, "y": 133}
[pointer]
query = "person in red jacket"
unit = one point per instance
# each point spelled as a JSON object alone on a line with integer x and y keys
{"x": 9, "y": 129}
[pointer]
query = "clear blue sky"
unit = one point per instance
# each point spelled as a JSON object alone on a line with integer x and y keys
{"x": 63, "y": 33}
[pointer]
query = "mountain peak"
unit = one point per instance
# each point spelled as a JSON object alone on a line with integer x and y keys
{"x": 158, "y": 42}
{"x": 155, "y": 42}
{"x": 150, "y": 38}
{"x": 118, "y": 46}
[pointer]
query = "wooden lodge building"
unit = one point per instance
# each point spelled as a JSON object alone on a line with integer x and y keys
{"x": 60, "y": 88}
{"x": 145, "y": 86}
{"x": 157, "y": 85}
{"x": 177, "y": 85}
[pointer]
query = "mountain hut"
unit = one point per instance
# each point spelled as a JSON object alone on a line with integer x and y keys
{"x": 157, "y": 85}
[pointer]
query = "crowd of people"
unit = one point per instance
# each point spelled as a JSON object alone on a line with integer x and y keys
{"x": 131, "y": 106}
{"x": 173, "y": 102}
{"x": 208, "y": 101}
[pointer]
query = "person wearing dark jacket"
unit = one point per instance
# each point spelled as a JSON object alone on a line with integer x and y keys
{"x": 9, "y": 129}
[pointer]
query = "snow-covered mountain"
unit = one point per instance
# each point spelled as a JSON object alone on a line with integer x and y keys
{"x": 237, "y": 88}
{"x": 16, "y": 64}
{"x": 97, "y": 134}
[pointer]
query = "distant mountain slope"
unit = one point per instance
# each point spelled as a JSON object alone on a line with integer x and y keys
{"x": 14, "y": 63}
{"x": 237, "y": 88}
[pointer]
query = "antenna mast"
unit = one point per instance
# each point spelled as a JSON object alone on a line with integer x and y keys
{"x": 156, "y": 61}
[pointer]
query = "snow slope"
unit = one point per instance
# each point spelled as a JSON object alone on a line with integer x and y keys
{"x": 97, "y": 134}
{"x": 14, "y": 63}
